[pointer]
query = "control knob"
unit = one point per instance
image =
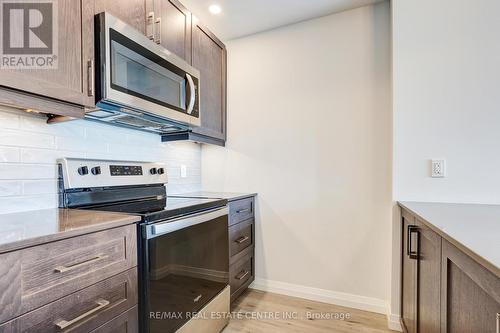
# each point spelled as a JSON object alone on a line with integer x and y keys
{"x": 96, "y": 170}
{"x": 153, "y": 171}
{"x": 161, "y": 171}
{"x": 82, "y": 171}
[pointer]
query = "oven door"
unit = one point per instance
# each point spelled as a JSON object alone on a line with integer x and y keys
{"x": 186, "y": 265}
{"x": 137, "y": 74}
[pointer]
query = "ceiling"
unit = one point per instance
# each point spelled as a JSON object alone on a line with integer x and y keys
{"x": 245, "y": 17}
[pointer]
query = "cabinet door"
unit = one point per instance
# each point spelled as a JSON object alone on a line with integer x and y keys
{"x": 470, "y": 294}
{"x": 70, "y": 81}
{"x": 409, "y": 275}
{"x": 429, "y": 280}
{"x": 209, "y": 57}
{"x": 132, "y": 12}
{"x": 174, "y": 27}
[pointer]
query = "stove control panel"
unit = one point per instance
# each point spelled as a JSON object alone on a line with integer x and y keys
{"x": 85, "y": 173}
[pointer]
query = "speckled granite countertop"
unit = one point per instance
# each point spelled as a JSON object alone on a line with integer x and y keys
{"x": 25, "y": 229}
{"x": 473, "y": 228}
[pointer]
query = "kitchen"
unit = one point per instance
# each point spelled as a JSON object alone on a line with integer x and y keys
{"x": 207, "y": 166}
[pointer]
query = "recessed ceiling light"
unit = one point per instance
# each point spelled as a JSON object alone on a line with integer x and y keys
{"x": 215, "y": 9}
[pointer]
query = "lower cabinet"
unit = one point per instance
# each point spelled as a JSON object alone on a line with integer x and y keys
{"x": 443, "y": 289}
{"x": 127, "y": 322}
{"x": 470, "y": 294}
{"x": 241, "y": 245}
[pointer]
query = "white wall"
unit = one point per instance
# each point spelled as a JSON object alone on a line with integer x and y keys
{"x": 446, "y": 74}
{"x": 29, "y": 149}
{"x": 309, "y": 129}
{"x": 446, "y": 99}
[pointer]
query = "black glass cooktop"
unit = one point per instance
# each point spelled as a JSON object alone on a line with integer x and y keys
{"x": 163, "y": 208}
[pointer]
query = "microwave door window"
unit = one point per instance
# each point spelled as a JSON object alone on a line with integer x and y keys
{"x": 137, "y": 75}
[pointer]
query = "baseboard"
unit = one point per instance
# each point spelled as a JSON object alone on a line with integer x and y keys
{"x": 394, "y": 323}
{"x": 322, "y": 295}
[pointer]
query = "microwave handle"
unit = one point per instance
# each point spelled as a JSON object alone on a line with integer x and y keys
{"x": 192, "y": 94}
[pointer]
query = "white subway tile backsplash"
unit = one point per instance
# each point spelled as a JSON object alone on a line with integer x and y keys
{"x": 27, "y": 171}
{"x": 31, "y": 187}
{"x": 29, "y": 202}
{"x": 21, "y": 138}
{"x": 46, "y": 156}
{"x": 9, "y": 154}
{"x": 29, "y": 148}
{"x": 10, "y": 188}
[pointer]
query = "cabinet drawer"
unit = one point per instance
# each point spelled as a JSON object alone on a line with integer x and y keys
{"x": 45, "y": 273}
{"x": 241, "y": 210}
{"x": 127, "y": 322}
{"x": 241, "y": 273}
{"x": 241, "y": 236}
{"x": 82, "y": 311}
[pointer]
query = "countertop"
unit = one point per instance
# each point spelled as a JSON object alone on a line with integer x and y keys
{"x": 229, "y": 196}
{"x": 25, "y": 229}
{"x": 473, "y": 228}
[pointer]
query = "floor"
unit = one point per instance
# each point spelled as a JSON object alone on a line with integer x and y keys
{"x": 280, "y": 314}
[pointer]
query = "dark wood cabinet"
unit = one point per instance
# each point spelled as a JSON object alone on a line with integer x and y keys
{"x": 428, "y": 279}
{"x": 241, "y": 244}
{"x": 209, "y": 57}
{"x": 78, "y": 284}
{"x": 443, "y": 289}
{"x": 132, "y": 12}
{"x": 470, "y": 294}
{"x": 172, "y": 27}
{"x": 71, "y": 81}
{"x": 409, "y": 276}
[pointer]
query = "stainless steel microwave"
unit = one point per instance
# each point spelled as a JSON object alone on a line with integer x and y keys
{"x": 141, "y": 84}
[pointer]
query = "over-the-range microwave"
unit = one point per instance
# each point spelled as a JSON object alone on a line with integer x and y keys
{"x": 140, "y": 84}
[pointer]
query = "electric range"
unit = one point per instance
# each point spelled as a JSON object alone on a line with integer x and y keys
{"x": 183, "y": 248}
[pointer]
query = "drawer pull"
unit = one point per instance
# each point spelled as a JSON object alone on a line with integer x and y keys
{"x": 498, "y": 322}
{"x": 242, "y": 239}
{"x": 63, "y": 269}
{"x": 242, "y": 275}
{"x": 244, "y": 210}
{"x": 63, "y": 324}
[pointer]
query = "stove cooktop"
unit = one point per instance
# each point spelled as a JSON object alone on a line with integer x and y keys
{"x": 153, "y": 210}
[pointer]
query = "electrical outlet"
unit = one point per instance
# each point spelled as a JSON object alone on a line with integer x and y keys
{"x": 438, "y": 169}
{"x": 183, "y": 171}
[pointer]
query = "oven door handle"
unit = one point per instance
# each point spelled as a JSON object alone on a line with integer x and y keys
{"x": 170, "y": 226}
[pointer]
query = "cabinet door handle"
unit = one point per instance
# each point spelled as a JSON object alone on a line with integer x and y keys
{"x": 150, "y": 25}
{"x": 63, "y": 269}
{"x": 63, "y": 324}
{"x": 242, "y": 239}
{"x": 498, "y": 322}
{"x": 90, "y": 78}
{"x": 158, "y": 30}
{"x": 244, "y": 210}
{"x": 242, "y": 275}
{"x": 412, "y": 229}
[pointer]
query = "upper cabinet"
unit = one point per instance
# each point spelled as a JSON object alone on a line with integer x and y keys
{"x": 209, "y": 57}
{"x": 171, "y": 26}
{"x": 132, "y": 12}
{"x": 71, "y": 79}
{"x": 69, "y": 89}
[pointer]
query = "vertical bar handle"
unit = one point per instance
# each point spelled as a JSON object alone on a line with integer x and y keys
{"x": 150, "y": 25}
{"x": 412, "y": 230}
{"x": 90, "y": 78}
{"x": 158, "y": 30}
{"x": 498, "y": 322}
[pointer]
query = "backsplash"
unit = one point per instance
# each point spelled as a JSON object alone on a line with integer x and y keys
{"x": 29, "y": 149}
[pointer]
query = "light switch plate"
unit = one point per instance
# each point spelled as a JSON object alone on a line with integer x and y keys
{"x": 438, "y": 169}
